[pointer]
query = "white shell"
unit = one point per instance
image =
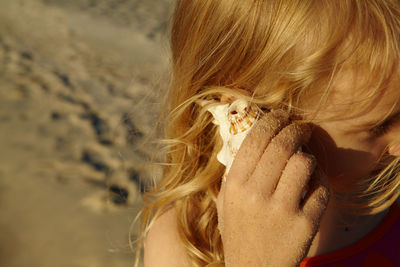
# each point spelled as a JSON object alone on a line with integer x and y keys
{"x": 235, "y": 121}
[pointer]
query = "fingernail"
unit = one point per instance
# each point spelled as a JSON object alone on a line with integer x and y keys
{"x": 300, "y": 149}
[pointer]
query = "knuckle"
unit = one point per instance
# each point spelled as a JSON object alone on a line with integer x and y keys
{"x": 304, "y": 130}
{"x": 276, "y": 116}
{"x": 272, "y": 121}
{"x": 281, "y": 202}
{"x": 321, "y": 199}
{"x": 299, "y": 131}
{"x": 280, "y": 114}
{"x": 300, "y": 164}
{"x": 232, "y": 185}
{"x": 256, "y": 198}
{"x": 289, "y": 139}
{"x": 323, "y": 195}
{"x": 283, "y": 143}
{"x": 278, "y": 207}
{"x": 304, "y": 160}
{"x": 308, "y": 158}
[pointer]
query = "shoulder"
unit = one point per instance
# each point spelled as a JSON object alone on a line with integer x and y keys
{"x": 163, "y": 246}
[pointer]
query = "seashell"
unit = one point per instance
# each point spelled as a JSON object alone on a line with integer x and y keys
{"x": 234, "y": 121}
{"x": 241, "y": 116}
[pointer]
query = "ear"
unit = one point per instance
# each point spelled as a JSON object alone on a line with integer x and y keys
{"x": 394, "y": 149}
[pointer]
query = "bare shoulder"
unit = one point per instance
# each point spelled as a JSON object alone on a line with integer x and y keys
{"x": 162, "y": 245}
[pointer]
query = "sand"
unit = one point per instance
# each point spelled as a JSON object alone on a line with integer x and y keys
{"x": 80, "y": 86}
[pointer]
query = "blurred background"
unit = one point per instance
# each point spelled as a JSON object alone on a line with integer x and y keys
{"x": 81, "y": 83}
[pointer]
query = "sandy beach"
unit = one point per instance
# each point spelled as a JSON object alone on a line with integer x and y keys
{"x": 81, "y": 83}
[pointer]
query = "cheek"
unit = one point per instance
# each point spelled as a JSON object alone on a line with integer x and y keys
{"x": 344, "y": 158}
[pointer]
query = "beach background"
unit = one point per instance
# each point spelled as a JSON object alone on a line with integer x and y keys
{"x": 81, "y": 82}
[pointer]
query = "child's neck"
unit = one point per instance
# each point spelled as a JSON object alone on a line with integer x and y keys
{"x": 334, "y": 234}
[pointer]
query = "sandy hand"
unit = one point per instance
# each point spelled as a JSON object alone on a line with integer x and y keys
{"x": 262, "y": 215}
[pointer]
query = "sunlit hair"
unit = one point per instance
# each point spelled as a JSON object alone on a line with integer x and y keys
{"x": 277, "y": 54}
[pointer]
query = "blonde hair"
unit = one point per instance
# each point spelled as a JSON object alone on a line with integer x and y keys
{"x": 280, "y": 53}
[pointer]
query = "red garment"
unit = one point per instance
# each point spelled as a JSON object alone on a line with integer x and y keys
{"x": 380, "y": 248}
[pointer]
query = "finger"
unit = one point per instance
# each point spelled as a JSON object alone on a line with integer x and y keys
{"x": 272, "y": 163}
{"x": 294, "y": 180}
{"x": 254, "y": 144}
{"x": 317, "y": 197}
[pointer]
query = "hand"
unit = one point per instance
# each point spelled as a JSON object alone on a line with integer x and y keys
{"x": 262, "y": 217}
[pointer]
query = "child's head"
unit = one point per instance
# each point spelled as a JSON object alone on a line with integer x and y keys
{"x": 335, "y": 63}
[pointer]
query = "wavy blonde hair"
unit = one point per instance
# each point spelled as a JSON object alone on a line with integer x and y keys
{"x": 281, "y": 53}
